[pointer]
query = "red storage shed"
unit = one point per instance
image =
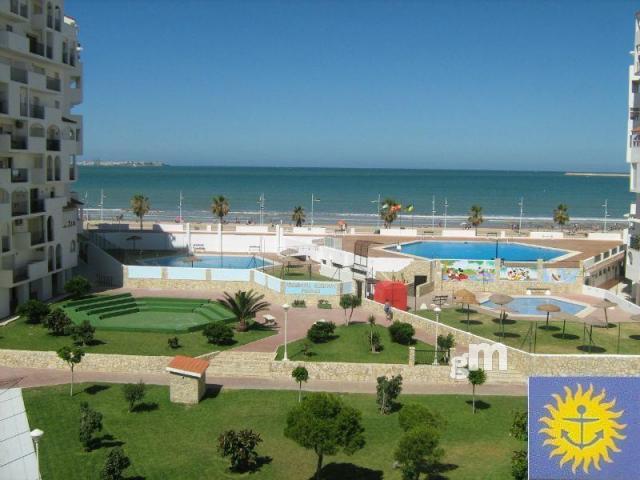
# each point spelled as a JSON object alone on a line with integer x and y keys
{"x": 392, "y": 292}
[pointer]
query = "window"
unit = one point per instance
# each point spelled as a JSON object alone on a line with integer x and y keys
{"x": 72, "y": 246}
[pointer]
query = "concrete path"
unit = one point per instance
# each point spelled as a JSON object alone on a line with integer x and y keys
{"x": 32, "y": 377}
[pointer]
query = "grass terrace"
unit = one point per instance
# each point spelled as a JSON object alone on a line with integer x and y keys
{"x": 351, "y": 344}
{"x": 476, "y": 446}
{"x": 548, "y": 339}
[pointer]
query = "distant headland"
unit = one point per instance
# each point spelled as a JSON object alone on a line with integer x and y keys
{"x": 595, "y": 174}
{"x": 129, "y": 164}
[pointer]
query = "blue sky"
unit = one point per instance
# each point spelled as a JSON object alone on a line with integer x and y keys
{"x": 480, "y": 84}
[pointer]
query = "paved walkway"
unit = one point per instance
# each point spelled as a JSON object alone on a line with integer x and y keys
{"x": 33, "y": 377}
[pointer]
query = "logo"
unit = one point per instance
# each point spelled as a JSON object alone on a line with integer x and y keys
{"x": 582, "y": 428}
{"x": 461, "y": 364}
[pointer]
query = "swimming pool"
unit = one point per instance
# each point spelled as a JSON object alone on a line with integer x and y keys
{"x": 528, "y": 305}
{"x": 211, "y": 261}
{"x": 513, "y": 252}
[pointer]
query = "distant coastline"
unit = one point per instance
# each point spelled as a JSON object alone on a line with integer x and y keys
{"x": 595, "y": 174}
{"x": 99, "y": 163}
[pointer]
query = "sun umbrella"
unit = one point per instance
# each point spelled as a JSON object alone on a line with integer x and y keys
{"x": 501, "y": 299}
{"x": 465, "y": 297}
{"x": 567, "y": 317}
{"x": 605, "y": 305}
{"x": 191, "y": 259}
{"x": 548, "y": 308}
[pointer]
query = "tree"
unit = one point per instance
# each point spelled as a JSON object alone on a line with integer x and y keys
{"x": 83, "y": 333}
{"x": 244, "y": 305}
{"x": 445, "y": 344}
{"x": 57, "y": 322}
{"x": 72, "y": 356}
{"x": 241, "y": 448}
{"x": 90, "y": 422}
{"x": 140, "y": 206}
{"x": 77, "y": 287}
{"x": 218, "y": 333}
{"x": 519, "y": 465}
{"x": 374, "y": 337}
{"x": 115, "y": 464}
{"x": 387, "y": 391}
{"x": 561, "y": 215}
{"x": 402, "y": 333}
{"x": 298, "y": 216}
{"x": 519, "y": 430}
{"x": 324, "y": 424}
{"x": 475, "y": 216}
{"x": 220, "y": 209}
{"x": 133, "y": 393}
{"x": 389, "y": 211}
{"x": 349, "y": 301}
{"x": 476, "y": 377}
{"x": 321, "y": 332}
{"x": 300, "y": 374}
{"x": 34, "y": 310}
{"x": 418, "y": 451}
{"x": 415, "y": 415}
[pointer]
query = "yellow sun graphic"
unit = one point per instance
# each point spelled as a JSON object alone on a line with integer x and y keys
{"x": 582, "y": 428}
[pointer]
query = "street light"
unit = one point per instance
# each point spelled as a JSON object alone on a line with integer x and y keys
{"x": 286, "y": 308}
{"x": 437, "y": 310}
{"x": 36, "y": 435}
{"x": 313, "y": 201}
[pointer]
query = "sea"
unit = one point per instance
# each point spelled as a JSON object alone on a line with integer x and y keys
{"x": 351, "y": 194}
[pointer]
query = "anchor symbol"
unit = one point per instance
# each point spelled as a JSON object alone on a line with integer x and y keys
{"x": 582, "y": 420}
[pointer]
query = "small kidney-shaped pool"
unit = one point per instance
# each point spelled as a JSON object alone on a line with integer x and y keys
{"x": 528, "y": 305}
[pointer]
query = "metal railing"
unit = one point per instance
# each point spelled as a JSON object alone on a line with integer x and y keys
{"x": 53, "y": 145}
{"x": 53, "y": 84}
{"x": 37, "y": 111}
{"x": 19, "y": 75}
{"x": 18, "y": 142}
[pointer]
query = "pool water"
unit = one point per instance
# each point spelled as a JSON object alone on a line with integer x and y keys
{"x": 527, "y": 305}
{"x": 513, "y": 252}
{"x": 211, "y": 261}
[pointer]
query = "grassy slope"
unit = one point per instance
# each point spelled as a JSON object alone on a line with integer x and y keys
{"x": 352, "y": 345}
{"x": 478, "y": 445}
{"x": 548, "y": 341}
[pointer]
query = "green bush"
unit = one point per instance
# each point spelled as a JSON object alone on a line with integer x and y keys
{"x": 299, "y": 304}
{"x": 418, "y": 452}
{"x": 324, "y": 304}
{"x": 173, "y": 342}
{"x": 58, "y": 322}
{"x": 321, "y": 332}
{"x": 83, "y": 333}
{"x": 402, "y": 333}
{"x": 218, "y": 333}
{"x": 34, "y": 310}
{"x": 240, "y": 447}
{"x": 77, "y": 287}
{"x": 134, "y": 393}
{"x": 115, "y": 464}
{"x": 416, "y": 415}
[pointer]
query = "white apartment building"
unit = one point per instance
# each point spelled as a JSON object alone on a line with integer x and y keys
{"x": 40, "y": 83}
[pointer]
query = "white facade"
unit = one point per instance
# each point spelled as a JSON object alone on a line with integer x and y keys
{"x": 40, "y": 137}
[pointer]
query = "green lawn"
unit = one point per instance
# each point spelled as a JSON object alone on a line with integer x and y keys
{"x": 548, "y": 340}
{"x": 20, "y": 335}
{"x": 352, "y": 345}
{"x": 168, "y": 441}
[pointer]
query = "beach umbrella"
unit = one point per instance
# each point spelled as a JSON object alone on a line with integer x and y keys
{"x": 566, "y": 317}
{"x": 590, "y": 322}
{"x": 605, "y": 305}
{"x": 502, "y": 300}
{"x": 548, "y": 308}
{"x": 191, "y": 259}
{"x": 468, "y": 298}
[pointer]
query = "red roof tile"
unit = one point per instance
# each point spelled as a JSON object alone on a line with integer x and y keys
{"x": 189, "y": 364}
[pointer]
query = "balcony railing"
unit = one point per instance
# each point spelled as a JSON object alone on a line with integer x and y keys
{"x": 53, "y": 145}
{"x": 19, "y": 208}
{"x": 19, "y": 175}
{"x": 37, "y": 206}
{"x": 19, "y": 75}
{"x": 36, "y": 47}
{"x": 37, "y": 111}
{"x": 18, "y": 142}
{"x": 53, "y": 83}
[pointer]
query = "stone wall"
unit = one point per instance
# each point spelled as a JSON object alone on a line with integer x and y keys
{"x": 183, "y": 389}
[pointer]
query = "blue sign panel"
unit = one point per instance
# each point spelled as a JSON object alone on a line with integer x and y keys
{"x": 584, "y": 428}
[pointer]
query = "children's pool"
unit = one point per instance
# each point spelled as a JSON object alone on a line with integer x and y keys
{"x": 512, "y": 252}
{"x": 210, "y": 261}
{"x": 528, "y": 305}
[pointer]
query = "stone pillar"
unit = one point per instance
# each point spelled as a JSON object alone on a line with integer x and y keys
{"x": 412, "y": 356}
{"x": 452, "y": 354}
{"x": 540, "y": 268}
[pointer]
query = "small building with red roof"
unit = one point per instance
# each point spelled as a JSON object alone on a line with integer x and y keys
{"x": 188, "y": 379}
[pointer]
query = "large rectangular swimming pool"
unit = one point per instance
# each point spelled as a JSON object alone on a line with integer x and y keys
{"x": 210, "y": 261}
{"x": 460, "y": 250}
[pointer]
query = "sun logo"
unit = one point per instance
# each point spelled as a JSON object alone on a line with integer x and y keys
{"x": 582, "y": 428}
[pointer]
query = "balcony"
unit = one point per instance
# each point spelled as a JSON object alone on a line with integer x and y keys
{"x": 53, "y": 84}
{"x": 19, "y": 175}
{"x": 55, "y": 204}
{"x": 37, "y": 206}
{"x": 17, "y": 8}
{"x": 13, "y": 41}
{"x": 53, "y": 145}
{"x": 18, "y": 142}
{"x": 37, "y": 144}
{"x": 20, "y": 274}
{"x": 75, "y": 96}
{"x": 19, "y": 208}
{"x": 36, "y": 111}
{"x": 37, "y": 269}
{"x": 36, "y": 47}
{"x": 37, "y": 238}
{"x": 19, "y": 75}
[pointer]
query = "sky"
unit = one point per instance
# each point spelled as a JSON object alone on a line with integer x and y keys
{"x": 539, "y": 85}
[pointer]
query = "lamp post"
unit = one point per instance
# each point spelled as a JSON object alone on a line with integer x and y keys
{"x": 437, "y": 310}
{"x": 377, "y": 202}
{"x": 433, "y": 213}
{"x": 36, "y": 435}
{"x": 606, "y": 214}
{"x": 521, "y": 205}
{"x": 446, "y": 205}
{"x": 313, "y": 201}
{"x": 286, "y": 308}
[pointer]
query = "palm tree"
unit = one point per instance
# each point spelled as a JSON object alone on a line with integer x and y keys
{"x": 244, "y": 305}
{"x": 389, "y": 211}
{"x": 298, "y": 216}
{"x": 220, "y": 209}
{"x": 140, "y": 206}
{"x": 561, "y": 215}
{"x": 476, "y": 377}
{"x": 475, "y": 216}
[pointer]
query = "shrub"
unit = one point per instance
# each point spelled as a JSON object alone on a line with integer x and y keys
{"x": 374, "y": 341}
{"x": 445, "y": 344}
{"x": 116, "y": 463}
{"x": 387, "y": 391}
{"x": 133, "y": 393}
{"x": 416, "y": 415}
{"x": 241, "y": 448}
{"x": 34, "y": 310}
{"x": 173, "y": 342}
{"x": 77, "y": 287}
{"x": 299, "y": 304}
{"x": 57, "y": 322}
{"x": 402, "y": 333}
{"x": 306, "y": 349}
{"x": 218, "y": 333}
{"x": 349, "y": 301}
{"x": 83, "y": 333}
{"x": 324, "y": 304}
{"x": 90, "y": 422}
{"x": 321, "y": 332}
{"x": 418, "y": 451}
